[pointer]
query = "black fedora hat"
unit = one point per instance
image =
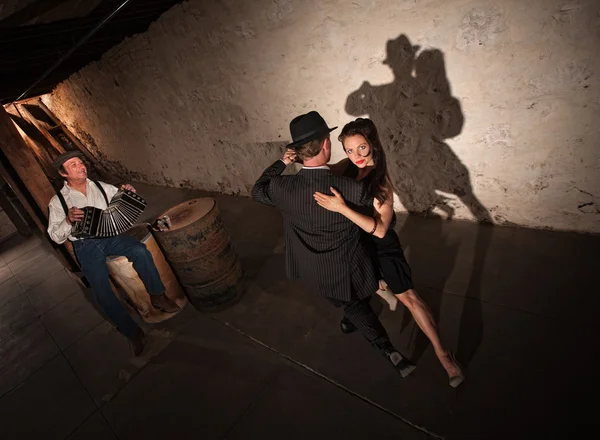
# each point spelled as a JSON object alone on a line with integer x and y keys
{"x": 308, "y": 127}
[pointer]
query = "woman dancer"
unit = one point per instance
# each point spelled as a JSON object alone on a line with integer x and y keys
{"x": 366, "y": 161}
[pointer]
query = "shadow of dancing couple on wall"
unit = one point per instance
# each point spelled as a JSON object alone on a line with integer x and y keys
{"x": 414, "y": 115}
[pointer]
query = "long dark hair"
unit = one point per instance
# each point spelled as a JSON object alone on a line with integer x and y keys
{"x": 366, "y": 128}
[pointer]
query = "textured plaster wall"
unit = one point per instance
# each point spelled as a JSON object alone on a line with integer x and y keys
{"x": 487, "y": 109}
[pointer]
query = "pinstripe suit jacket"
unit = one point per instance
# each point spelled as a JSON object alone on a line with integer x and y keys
{"x": 323, "y": 249}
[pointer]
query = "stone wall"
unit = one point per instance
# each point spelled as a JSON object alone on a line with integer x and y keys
{"x": 488, "y": 109}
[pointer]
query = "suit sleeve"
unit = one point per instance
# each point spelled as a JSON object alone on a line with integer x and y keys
{"x": 262, "y": 191}
{"x": 365, "y": 201}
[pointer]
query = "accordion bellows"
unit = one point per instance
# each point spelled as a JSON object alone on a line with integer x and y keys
{"x": 121, "y": 214}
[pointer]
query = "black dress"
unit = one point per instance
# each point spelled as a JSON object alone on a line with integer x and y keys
{"x": 390, "y": 258}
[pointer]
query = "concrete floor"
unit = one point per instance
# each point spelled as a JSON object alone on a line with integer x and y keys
{"x": 517, "y": 306}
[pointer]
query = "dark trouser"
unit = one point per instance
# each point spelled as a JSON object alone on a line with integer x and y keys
{"x": 360, "y": 313}
{"x": 92, "y": 253}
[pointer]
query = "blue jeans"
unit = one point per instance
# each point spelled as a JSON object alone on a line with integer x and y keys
{"x": 92, "y": 253}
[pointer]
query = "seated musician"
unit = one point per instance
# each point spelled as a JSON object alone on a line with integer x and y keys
{"x": 78, "y": 192}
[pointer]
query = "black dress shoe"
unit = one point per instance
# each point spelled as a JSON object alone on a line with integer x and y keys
{"x": 347, "y": 327}
{"x": 402, "y": 365}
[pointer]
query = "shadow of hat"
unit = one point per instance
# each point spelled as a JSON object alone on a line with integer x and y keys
{"x": 400, "y": 51}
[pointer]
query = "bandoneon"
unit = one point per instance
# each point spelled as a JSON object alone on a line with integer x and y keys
{"x": 123, "y": 211}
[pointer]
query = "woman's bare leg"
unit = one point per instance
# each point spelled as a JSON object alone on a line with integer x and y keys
{"x": 424, "y": 319}
{"x": 386, "y": 294}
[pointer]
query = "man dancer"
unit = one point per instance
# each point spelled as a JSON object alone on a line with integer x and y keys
{"x": 324, "y": 249}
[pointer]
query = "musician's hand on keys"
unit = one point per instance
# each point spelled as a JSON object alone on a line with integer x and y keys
{"x": 75, "y": 215}
{"x": 128, "y": 187}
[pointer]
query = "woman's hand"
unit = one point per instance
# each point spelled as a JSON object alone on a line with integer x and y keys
{"x": 334, "y": 203}
{"x": 289, "y": 156}
{"x": 128, "y": 187}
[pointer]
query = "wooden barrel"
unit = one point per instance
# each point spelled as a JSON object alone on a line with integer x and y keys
{"x": 127, "y": 279}
{"x": 199, "y": 249}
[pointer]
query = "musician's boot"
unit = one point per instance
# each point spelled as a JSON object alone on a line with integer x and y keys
{"x": 137, "y": 342}
{"x": 163, "y": 303}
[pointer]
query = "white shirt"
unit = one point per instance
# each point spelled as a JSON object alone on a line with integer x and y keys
{"x": 59, "y": 228}
{"x": 322, "y": 167}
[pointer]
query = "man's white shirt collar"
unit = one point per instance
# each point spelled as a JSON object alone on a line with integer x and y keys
{"x": 322, "y": 167}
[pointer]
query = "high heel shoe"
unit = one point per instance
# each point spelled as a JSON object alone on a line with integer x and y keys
{"x": 387, "y": 295}
{"x": 459, "y": 378}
